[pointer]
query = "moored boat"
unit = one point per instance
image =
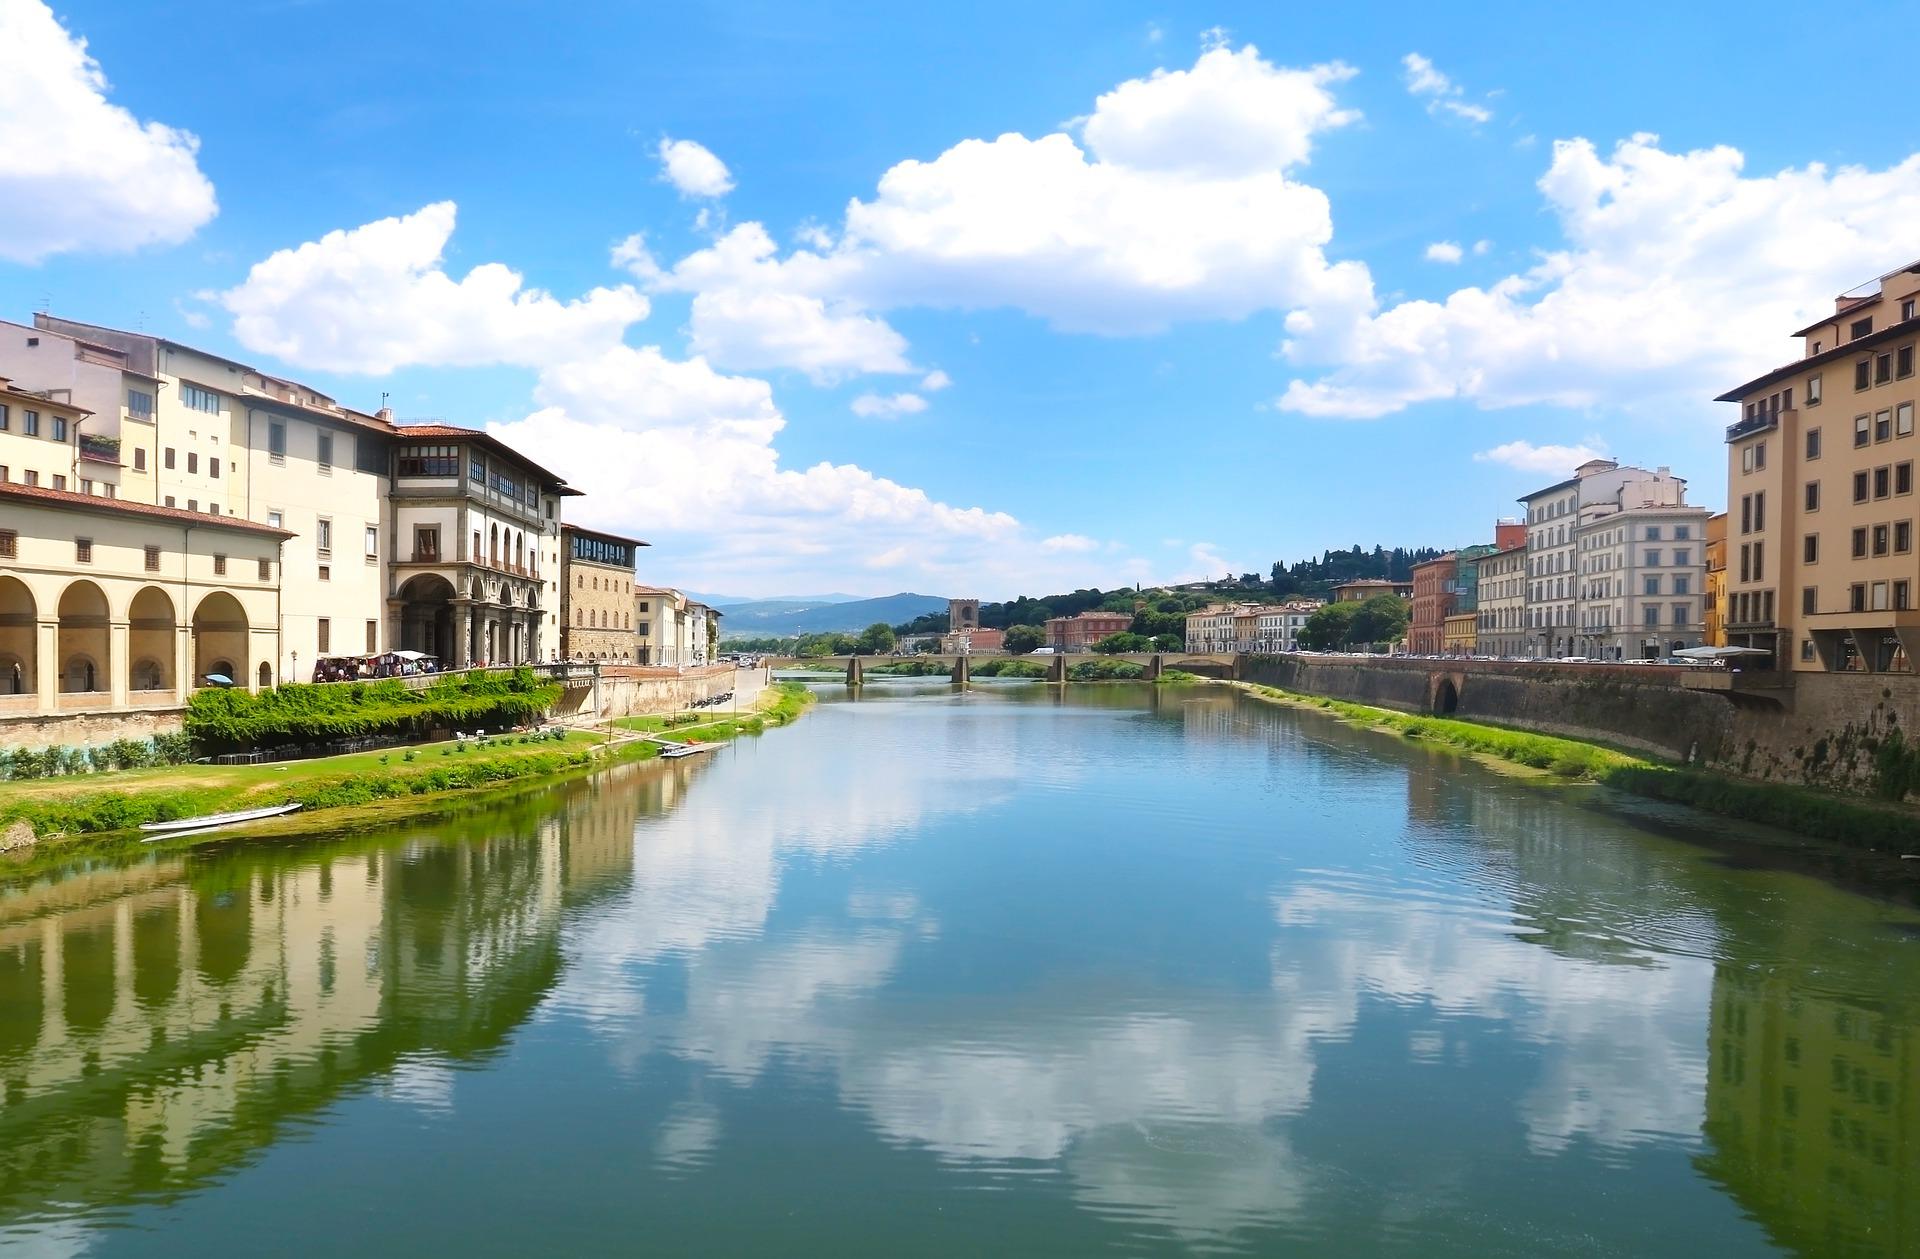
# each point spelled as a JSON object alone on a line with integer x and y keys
{"x": 207, "y": 821}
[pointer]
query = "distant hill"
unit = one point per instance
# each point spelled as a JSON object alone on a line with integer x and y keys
{"x": 724, "y": 602}
{"x": 766, "y": 617}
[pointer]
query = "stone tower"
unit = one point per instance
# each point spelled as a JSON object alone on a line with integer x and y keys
{"x": 963, "y": 614}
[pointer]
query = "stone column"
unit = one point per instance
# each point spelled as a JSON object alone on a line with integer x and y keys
{"x": 962, "y": 670}
{"x": 462, "y": 635}
{"x": 183, "y": 661}
{"x": 853, "y": 671}
{"x": 119, "y": 667}
{"x": 46, "y": 659}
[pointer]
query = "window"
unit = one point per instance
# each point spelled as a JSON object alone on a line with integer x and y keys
{"x": 426, "y": 544}
{"x": 1859, "y": 328}
{"x": 1880, "y": 540}
{"x": 1882, "y": 425}
{"x": 1760, "y": 512}
{"x": 326, "y": 572}
{"x": 1759, "y": 454}
{"x": 266, "y": 570}
{"x": 1650, "y": 586}
{"x": 477, "y": 469}
{"x": 193, "y": 462}
{"x": 325, "y": 455}
{"x": 1806, "y": 649}
{"x": 1862, "y": 430}
{"x": 140, "y": 405}
{"x": 1746, "y": 513}
{"x": 1857, "y": 597}
{"x": 277, "y": 441}
{"x": 5, "y": 422}
{"x": 323, "y": 535}
{"x": 169, "y": 500}
{"x": 373, "y": 543}
{"x": 153, "y": 559}
{"x": 1902, "y": 596}
{"x": 194, "y": 398}
{"x": 213, "y": 468}
{"x": 1903, "y": 362}
{"x": 1650, "y": 560}
{"x": 1860, "y": 544}
{"x": 1653, "y": 533}
{"x": 1813, "y": 390}
{"x": 59, "y": 428}
{"x": 107, "y": 488}
{"x": 86, "y": 486}
{"x": 59, "y": 482}
{"x": 1903, "y": 420}
{"x": 1903, "y": 478}
{"x": 1759, "y": 561}
{"x": 9, "y": 544}
{"x": 437, "y": 461}
{"x": 219, "y": 566}
{"x": 323, "y": 630}
{"x": 1862, "y": 374}
{"x": 166, "y": 458}
{"x": 1809, "y": 600}
{"x": 1810, "y": 549}
{"x": 1813, "y": 496}
{"x": 1879, "y": 596}
{"x": 373, "y": 637}
{"x": 276, "y": 520}
{"x": 193, "y": 504}
{"x": 1682, "y": 532}
{"x": 1681, "y": 584}
{"x": 140, "y": 459}
{"x": 83, "y": 550}
{"x": 1882, "y": 368}
{"x": 30, "y": 423}
{"x": 1860, "y": 487}
{"x": 1682, "y": 557}
{"x": 1682, "y": 614}
{"x": 1882, "y": 481}
{"x": 1902, "y": 536}
{"x": 1651, "y": 615}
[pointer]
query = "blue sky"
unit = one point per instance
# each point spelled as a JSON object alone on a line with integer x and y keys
{"x": 1130, "y": 292}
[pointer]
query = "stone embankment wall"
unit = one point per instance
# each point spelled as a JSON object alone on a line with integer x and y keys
{"x": 87, "y": 730}
{"x": 635, "y": 692}
{"x": 1827, "y": 729}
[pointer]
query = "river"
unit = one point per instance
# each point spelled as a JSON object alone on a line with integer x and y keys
{"x": 1033, "y": 971}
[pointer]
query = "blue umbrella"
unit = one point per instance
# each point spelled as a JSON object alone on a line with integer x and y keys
{"x": 219, "y": 679}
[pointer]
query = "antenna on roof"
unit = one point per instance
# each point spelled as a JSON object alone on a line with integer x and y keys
{"x": 384, "y": 395}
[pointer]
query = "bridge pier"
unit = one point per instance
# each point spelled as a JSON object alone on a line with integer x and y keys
{"x": 854, "y": 678}
{"x": 1057, "y": 670}
{"x": 1153, "y": 668}
{"x": 962, "y": 671}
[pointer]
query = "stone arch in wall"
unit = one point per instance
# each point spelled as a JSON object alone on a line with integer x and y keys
{"x": 220, "y": 633}
{"x": 19, "y": 636}
{"x": 426, "y": 615}
{"x": 266, "y": 676}
{"x": 84, "y": 649}
{"x": 1446, "y": 697}
{"x": 152, "y": 625}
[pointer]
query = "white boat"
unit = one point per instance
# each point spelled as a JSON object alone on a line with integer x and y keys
{"x": 208, "y": 821}
{"x": 674, "y": 751}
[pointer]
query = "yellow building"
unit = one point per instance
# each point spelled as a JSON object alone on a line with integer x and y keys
{"x": 1460, "y": 634}
{"x": 1821, "y": 561}
{"x": 1716, "y": 600}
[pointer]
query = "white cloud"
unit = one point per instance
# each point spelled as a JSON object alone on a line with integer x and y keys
{"x": 874, "y": 406}
{"x": 693, "y": 169}
{"x": 1444, "y": 251}
{"x": 1527, "y": 457}
{"x": 1441, "y": 94}
{"x": 1076, "y": 542}
{"x": 1679, "y": 278}
{"x": 80, "y": 173}
{"x": 375, "y": 298}
{"x": 1480, "y": 247}
{"x": 1177, "y": 203}
{"x": 934, "y": 381}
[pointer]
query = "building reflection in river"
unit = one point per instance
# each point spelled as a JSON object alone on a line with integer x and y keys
{"x": 159, "y": 1023}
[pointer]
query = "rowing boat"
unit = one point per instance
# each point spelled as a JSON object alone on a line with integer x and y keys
{"x": 208, "y": 821}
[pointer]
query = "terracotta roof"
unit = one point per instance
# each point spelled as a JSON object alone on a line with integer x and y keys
{"x": 456, "y": 433}
{"x": 120, "y": 506}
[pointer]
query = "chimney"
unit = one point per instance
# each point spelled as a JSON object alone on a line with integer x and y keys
{"x": 384, "y": 415}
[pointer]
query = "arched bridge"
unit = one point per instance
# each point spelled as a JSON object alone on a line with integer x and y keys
{"x": 961, "y": 667}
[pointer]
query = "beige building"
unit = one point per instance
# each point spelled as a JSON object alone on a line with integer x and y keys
{"x": 1214, "y": 629}
{"x": 656, "y": 625}
{"x": 1821, "y": 566}
{"x": 1503, "y": 603}
{"x": 699, "y": 634}
{"x": 597, "y": 595}
{"x": 106, "y": 604}
{"x": 1642, "y": 558}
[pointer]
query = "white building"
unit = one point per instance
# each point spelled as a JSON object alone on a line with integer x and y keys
{"x": 1643, "y": 571}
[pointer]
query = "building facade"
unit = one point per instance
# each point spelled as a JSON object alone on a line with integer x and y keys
{"x": 1459, "y": 635}
{"x": 1502, "y": 615}
{"x": 1212, "y": 630}
{"x": 597, "y": 598}
{"x": 1080, "y": 633}
{"x": 1366, "y": 588}
{"x": 1643, "y": 573}
{"x": 1716, "y": 600}
{"x": 1434, "y": 584}
{"x": 1821, "y": 564}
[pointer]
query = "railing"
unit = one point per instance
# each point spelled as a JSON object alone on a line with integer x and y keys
{"x": 1754, "y": 424}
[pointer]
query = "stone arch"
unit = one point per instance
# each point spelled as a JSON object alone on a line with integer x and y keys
{"x": 519, "y": 551}
{"x": 220, "y": 633}
{"x": 19, "y": 634}
{"x": 493, "y": 545}
{"x": 84, "y": 651}
{"x": 152, "y": 626}
{"x": 426, "y": 615}
{"x": 1446, "y": 698}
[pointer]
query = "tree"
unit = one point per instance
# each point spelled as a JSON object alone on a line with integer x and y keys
{"x": 1021, "y": 639}
{"x": 1115, "y": 644}
{"x": 1381, "y": 619}
{"x": 875, "y": 640}
{"x": 1169, "y": 642}
{"x": 1329, "y": 628}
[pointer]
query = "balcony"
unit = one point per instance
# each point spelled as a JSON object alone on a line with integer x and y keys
{"x": 1758, "y": 424}
{"x": 99, "y": 448}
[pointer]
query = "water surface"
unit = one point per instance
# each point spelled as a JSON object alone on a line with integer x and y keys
{"x": 1125, "y": 970}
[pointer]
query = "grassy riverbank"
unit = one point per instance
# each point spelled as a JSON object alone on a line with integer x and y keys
{"x": 1803, "y": 810}
{"x": 102, "y": 803}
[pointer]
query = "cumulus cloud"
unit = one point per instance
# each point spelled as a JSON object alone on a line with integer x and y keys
{"x": 80, "y": 173}
{"x": 874, "y": 406}
{"x": 1077, "y": 542}
{"x": 1441, "y": 94}
{"x": 934, "y": 381}
{"x": 693, "y": 169}
{"x": 1527, "y": 457}
{"x": 1679, "y": 277}
{"x": 1480, "y": 247}
{"x": 1176, "y": 202}
{"x": 1444, "y": 251}
{"x": 375, "y": 298}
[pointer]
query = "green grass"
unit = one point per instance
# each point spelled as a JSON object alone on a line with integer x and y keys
{"x": 1803, "y": 810}
{"x": 788, "y": 700}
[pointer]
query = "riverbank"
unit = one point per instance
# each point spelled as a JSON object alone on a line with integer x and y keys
{"x": 1805, "y": 811}
{"x": 106, "y": 808}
